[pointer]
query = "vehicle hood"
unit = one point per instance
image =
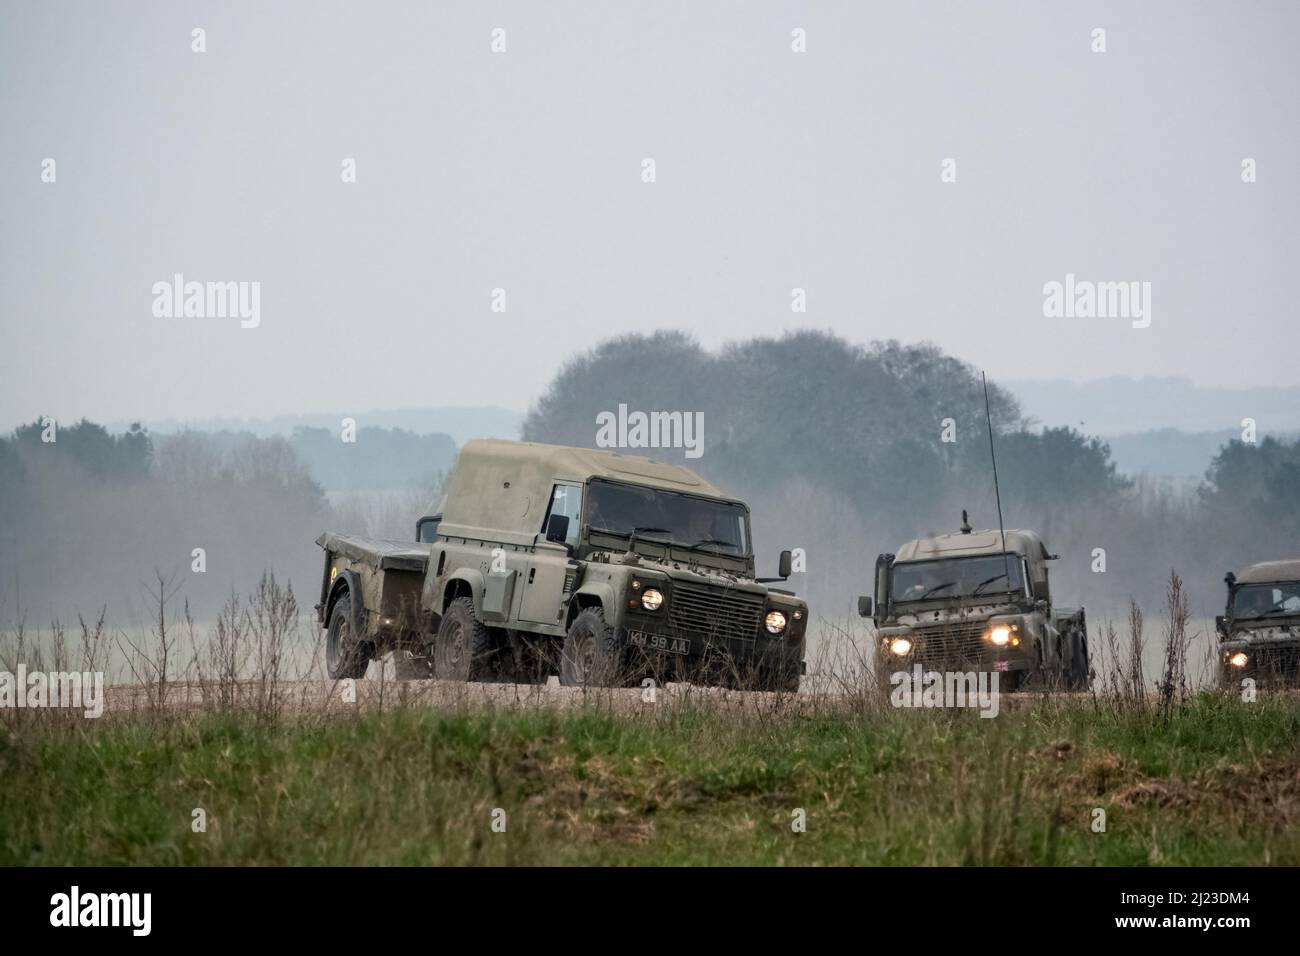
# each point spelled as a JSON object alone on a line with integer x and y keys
{"x": 930, "y": 616}
{"x": 1266, "y": 630}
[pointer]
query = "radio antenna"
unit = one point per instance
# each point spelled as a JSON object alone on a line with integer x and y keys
{"x": 997, "y": 491}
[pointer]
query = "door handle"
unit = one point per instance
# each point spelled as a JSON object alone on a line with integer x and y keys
{"x": 531, "y": 573}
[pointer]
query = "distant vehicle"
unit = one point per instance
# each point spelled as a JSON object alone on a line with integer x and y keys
{"x": 601, "y": 567}
{"x": 976, "y": 600}
{"x": 1259, "y": 631}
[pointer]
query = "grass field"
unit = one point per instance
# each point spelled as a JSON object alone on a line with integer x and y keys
{"x": 1211, "y": 781}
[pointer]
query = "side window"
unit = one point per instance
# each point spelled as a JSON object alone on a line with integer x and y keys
{"x": 566, "y": 500}
{"x": 427, "y": 529}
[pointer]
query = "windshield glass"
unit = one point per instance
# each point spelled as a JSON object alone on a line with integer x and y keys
{"x": 1266, "y": 600}
{"x": 667, "y": 517}
{"x": 956, "y": 577}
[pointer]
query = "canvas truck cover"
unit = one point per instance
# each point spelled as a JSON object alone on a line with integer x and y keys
{"x": 503, "y": 487}
{"x": 1019, "y": 541}
{"x": 1268, "y": 572}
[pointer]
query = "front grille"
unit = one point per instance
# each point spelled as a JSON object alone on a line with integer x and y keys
{"x": 1281, "y": 663}
{"x": 952, "y": 642}
{"x": 715, "y": 612}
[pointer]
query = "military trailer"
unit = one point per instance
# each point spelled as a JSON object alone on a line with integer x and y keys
{"x": 1259, "y": 631}
{"x": 601, "y": 567}
{"x": 976, "y": 600}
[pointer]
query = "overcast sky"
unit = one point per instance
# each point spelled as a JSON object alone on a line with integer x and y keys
{"x": 523, "y": 170}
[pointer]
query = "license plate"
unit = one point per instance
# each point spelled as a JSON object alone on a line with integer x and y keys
{"x": 1003, "y": 666}
{"x": 657, "y": 642}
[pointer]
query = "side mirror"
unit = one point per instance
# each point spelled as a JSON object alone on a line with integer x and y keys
{"x": 864, "y": 606}
{"x": 557, "y": 528}
{"x": 784, "y": 565}
{"x": 1220, "y": 625}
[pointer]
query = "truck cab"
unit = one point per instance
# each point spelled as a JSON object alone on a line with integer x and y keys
{"x": 1259, "y": 630}
{"x": 976, "y": 600}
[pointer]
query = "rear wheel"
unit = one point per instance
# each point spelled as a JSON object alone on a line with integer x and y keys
{"x": 590, "y": 657}
{"x": 346, "y": 654}
{"x": 465, "y": 648}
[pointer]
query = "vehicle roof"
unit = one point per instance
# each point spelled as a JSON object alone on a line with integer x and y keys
{"x": 506, "y": 485}
{"x": 987, "y": 541}
{"x": 1268, "y": 571}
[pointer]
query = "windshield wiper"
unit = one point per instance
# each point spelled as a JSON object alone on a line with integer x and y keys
{"x": 714, "y": 541}
{"x": 937, "y": 587}
{"x": 983, "y": 584}
{"x": 639, "y": 530}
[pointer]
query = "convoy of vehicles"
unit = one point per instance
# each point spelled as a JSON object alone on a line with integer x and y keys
{"x": 976, "y": 600}
{"x": 1259, "y": 631}
{"x": 600, "y": 567}
{"x": 605, "y": 569}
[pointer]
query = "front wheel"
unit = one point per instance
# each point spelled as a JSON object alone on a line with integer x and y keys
{"x": 590, "y": 656}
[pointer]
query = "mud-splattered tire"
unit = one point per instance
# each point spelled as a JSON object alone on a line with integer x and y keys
{"x": 465, "y": 648}
{"x": 346, "y": 655}
{"x": 591, "y": 656}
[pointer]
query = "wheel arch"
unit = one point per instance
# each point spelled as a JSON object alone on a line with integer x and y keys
{"x": 599, "y": 595}
{"x": 464, "y": 582}
{"x": 349, "y": 583}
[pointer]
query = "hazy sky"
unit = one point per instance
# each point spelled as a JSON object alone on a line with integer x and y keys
{"x": 523, "y": 170}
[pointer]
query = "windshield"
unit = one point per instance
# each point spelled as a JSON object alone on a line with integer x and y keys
{"x": 1266, "y": 600}
{"x": 667, "y": 517}
{"x": 956, "y": 577}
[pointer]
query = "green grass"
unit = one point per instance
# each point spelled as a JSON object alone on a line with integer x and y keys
{"x": 1217, "y": 782}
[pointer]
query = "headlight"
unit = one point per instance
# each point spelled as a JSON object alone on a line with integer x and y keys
{"x": 652, "y": 599}
{"x": 775, "y": 622}
{"x": 1238, "y": 659}
{"x": 900, "y": 646}
{"x": 1000, "y": 635}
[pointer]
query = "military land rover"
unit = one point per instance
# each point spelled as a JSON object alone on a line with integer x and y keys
{"x": 1259, "y": 631}
{"x": 976, "y": 600}
{"x": 601, "y": 567}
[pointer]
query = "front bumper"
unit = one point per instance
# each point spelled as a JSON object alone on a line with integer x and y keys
{"x": 953, "y": 649}
{"x": 670, "y": 651}
{"x": 1268, "y": 661}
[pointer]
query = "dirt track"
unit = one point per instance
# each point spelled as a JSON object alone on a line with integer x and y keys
{"x": 366, "y": 695}
{"x": 342, "y": 697}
